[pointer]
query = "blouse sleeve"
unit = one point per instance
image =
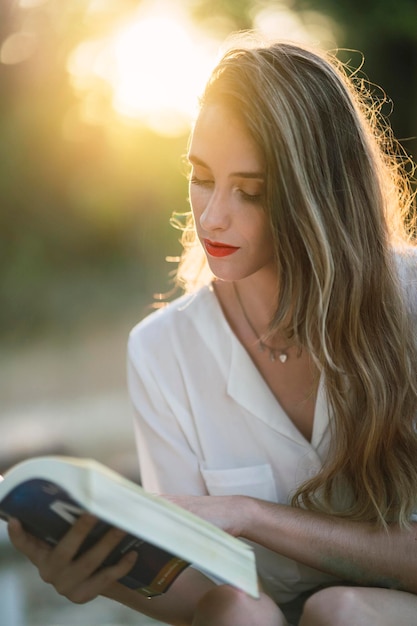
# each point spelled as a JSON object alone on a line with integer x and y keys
{"x": 168, "y": 463}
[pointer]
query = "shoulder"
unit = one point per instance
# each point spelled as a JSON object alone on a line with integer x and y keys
{"x": 173, "y": 323}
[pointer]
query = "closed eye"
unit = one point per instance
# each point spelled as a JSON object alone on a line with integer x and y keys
{"x": 249, "y": 196}
{"x": 201, "y": 182}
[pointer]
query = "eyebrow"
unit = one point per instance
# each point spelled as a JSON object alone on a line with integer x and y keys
{"x": 254, "y": 175}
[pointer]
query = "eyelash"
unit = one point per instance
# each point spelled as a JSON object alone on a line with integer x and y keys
{"x": 208, "y": 183}
{"x": 200, "y": 182}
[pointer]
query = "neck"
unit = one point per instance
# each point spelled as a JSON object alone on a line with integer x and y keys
{"x": 259, "y": 294}
{"x": 276, "y": 347}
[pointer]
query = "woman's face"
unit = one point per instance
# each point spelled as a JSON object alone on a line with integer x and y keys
{"x": 227, "y": 195}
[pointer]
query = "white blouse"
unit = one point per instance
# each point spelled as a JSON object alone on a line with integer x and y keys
{"x": 206, "y": 422}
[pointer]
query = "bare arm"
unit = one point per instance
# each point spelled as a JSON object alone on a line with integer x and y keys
{"x": 355, "y": 551}
{"x": 78, "y": 579}
{"x": 359, "y": 552}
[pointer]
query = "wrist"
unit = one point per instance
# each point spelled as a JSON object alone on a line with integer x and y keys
{"x": 246, "y": 514}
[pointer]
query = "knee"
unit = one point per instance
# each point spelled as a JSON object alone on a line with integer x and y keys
{"x": 226, "y": 606}
{"x": 334, "y": 606}
{"x": 218, "y": 605}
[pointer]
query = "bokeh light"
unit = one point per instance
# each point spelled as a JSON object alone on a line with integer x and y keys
{"x": 18, "y": 47}
{"x": 278, "y": 20}
{"x": 155, "y": 64}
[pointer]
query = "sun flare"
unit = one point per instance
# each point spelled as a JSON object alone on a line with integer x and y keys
{"x": 156, "y": 65}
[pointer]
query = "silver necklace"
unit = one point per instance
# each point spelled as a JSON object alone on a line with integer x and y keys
{"x": 274, "y": 353}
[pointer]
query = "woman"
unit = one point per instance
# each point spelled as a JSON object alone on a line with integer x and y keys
{"x": 279, "y": 399}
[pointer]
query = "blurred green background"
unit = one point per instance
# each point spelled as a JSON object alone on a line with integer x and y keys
{"x": 86, "y": 192}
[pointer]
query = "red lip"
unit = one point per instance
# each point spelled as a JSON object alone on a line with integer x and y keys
{"x": 218, "y": 249}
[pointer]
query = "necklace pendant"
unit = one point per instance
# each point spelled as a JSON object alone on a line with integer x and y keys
{"x": 274, "y": 353}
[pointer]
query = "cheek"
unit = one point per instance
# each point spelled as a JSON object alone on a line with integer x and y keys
{"x": 263, "y": 229}
{"x": 266, "y": 242}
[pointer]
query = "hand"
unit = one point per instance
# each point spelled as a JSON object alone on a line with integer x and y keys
{"x": 230, "y": 513}
{"x": 76, "y": 579}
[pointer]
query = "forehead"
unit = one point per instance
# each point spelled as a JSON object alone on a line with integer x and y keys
{"x": 219, "y": 134}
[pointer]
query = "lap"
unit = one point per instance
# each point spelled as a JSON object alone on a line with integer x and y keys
{"x": 333, "y": 606}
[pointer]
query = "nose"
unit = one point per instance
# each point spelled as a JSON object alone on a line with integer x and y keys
{"x": 215, "y": 215}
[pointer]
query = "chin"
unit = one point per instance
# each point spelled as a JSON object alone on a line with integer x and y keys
{"x": 227, "y": 275}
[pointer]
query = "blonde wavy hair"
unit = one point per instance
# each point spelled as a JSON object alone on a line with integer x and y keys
{"x": 339, "y": 202}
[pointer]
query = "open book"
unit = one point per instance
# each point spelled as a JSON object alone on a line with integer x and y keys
{"x": 47, "y": 494}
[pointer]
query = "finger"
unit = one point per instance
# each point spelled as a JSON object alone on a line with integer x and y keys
{"x": 56, "y": 565}
{"x": 89, "y": 562}
{"x": 32, "y": 547}
{"x": 76, "y": 574}
{"x": 67, "y": 548}
{"x": 101, "y": 581}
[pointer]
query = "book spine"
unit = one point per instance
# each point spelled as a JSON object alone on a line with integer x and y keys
{"x": 165, "y": 577}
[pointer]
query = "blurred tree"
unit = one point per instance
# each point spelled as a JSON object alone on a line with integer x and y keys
{"x": 386, "y": 32}
{"x": 81, "y": 204}
{"x": 224, "y": 15}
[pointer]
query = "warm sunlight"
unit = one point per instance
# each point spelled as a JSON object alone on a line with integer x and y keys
{"x": 153, "y": 65}
{"x": 156, "y": 65}
{"x": 160, "y": 70}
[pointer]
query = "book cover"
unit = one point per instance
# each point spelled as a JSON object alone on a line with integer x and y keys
{"x": 47, "y": 512}
{"x": 47, "y": 494}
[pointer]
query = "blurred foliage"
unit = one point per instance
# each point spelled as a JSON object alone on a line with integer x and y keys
{"x": 385, "y": 31}
{"x": 225, "y": 15}
{"x": 85, "y": 207}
